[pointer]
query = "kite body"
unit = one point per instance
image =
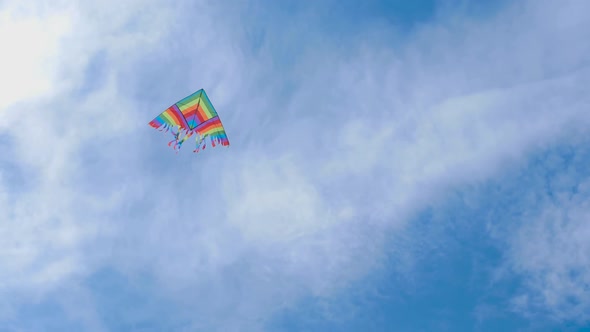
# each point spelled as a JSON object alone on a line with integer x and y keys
{"x": 193, "y": 115}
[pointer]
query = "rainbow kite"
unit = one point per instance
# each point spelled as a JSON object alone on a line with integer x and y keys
{"x": 193, "y": 115}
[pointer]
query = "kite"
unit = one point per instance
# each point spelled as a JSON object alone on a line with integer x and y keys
{"x": 193, "y": 115}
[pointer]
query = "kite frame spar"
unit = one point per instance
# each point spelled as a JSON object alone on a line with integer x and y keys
{"x": 192, "y": 115}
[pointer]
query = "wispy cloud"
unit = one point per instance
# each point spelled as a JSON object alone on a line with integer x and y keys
{"x": 330, "y": 150}
{"x": 550, "y": 249}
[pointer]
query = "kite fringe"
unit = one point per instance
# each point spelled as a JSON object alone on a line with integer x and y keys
{"x": 182, "y": 135}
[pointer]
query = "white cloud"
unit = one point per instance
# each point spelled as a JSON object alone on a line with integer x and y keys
{"x": 294, "y": 217}
{"x": 551, "y": 252}
{"x": 30, "y": 43}
{"x": 47, "y": 221}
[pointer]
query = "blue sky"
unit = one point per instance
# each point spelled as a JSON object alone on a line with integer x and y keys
{"x": 394, "y": 166}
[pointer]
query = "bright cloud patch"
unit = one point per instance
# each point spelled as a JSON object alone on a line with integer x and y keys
{"x": 551, "y": 252}
{"x": 30, "y": 44}
{"x": 328, "y": 156}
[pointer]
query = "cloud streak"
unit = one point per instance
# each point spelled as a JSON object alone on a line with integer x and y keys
{"x": 300, "y": 205}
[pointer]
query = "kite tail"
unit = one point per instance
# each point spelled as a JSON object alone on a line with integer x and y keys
{"x": 201, "y": 143}
{"x": 215, "y": 141}
{"x": 175, "y": 141}
{"x": 165, "y": 127}
{"x": 186, "y": 136}
{"x": 180, "y": 137}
